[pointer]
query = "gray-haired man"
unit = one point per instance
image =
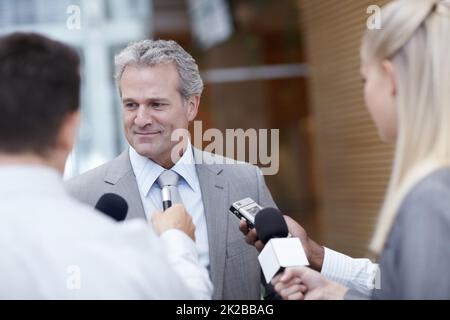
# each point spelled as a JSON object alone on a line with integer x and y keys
{"x": 160, "y": 87}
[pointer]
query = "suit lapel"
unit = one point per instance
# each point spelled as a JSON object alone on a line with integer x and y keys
{"x": 215, "y": 203}
{"x": 120, "y": 174}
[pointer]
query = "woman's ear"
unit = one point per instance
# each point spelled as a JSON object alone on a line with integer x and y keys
{"x": 192, "y": 105}
{"x": 389, "y": 69}
{"x": 68, "y": 132}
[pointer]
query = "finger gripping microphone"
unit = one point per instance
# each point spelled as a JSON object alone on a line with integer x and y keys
{"x": 113, "y": 206}
{"x": 280, "y": 250}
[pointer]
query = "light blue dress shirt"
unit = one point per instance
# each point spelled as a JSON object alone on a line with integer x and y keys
{"x": 148, "y": 171}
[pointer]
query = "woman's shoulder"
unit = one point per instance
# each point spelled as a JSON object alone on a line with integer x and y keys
{"x": 432, "y": 193}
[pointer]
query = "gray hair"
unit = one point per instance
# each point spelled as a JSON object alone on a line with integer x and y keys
{"x": 154, "y": 52}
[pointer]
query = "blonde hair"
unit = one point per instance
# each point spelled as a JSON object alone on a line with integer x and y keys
{"x": 415, "y": 37}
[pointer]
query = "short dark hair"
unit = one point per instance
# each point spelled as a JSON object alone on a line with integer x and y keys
{"x": 39, "y": 87}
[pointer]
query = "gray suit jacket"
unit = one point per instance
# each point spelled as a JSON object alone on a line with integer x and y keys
{"x": 234, "y": 267}
{"x": 415, "y": 263}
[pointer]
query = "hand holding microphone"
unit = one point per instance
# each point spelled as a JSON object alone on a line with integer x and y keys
{"x": 175, "y": 217}
{"x": 280, "y": 250}
{"x": 250, "y": 236}
{"x": 268, "y": 231}
{"x": 314, "y": 251}
{"x": 298, "y": 283}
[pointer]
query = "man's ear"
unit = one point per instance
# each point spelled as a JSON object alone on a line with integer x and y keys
{"x": 389, "y": 69}
{"x": 68, "y": 132}
{"x": 192, "y": 107}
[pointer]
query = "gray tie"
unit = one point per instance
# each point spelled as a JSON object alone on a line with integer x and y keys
{"x": 168, "y": 182}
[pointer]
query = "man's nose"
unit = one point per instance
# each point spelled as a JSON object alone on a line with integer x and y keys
{"x": 143, "y": 116}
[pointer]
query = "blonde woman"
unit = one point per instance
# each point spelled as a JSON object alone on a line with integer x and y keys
{"x": 406, "y": 68}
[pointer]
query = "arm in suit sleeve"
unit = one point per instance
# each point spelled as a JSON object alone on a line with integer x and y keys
{"x": 422, "y": 236}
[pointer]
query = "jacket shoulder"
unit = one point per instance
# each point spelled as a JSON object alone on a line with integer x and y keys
{"x": 432, "y": 192}
{"x": 88, "y": 185}
{"x": 91, "y": 176}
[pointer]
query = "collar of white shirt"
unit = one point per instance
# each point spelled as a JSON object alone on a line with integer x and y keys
{"x": 147, "y": 171}
{"x": 36, "y": 179}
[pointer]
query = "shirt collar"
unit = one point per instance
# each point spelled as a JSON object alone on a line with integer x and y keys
{"x": 185, "y": 167}
{"x": 30, "y": 178}
{"x": 147, "y": 171}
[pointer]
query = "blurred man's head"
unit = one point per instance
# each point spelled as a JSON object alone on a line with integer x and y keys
{"x": 39, "y": 98}
{"x": 160, "y": 88}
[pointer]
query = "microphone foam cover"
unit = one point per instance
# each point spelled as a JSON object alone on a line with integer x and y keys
{"x": 113, "y": 205}
{"x": 269, "y": 223}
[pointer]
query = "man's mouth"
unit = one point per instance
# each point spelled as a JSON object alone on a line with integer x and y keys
{"x": 149, "y": 133}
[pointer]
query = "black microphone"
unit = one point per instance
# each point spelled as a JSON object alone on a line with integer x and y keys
{"x": 280, "y": 250}
{"x": 269, "y": 223}
{"x": 113, "y": 206}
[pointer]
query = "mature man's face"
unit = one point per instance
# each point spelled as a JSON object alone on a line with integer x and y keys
{"x": 153, "y": 108}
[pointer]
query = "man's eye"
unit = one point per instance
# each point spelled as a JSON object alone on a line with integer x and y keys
{"x": 131, "y": 105}
{"x": 157, "y": 105}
